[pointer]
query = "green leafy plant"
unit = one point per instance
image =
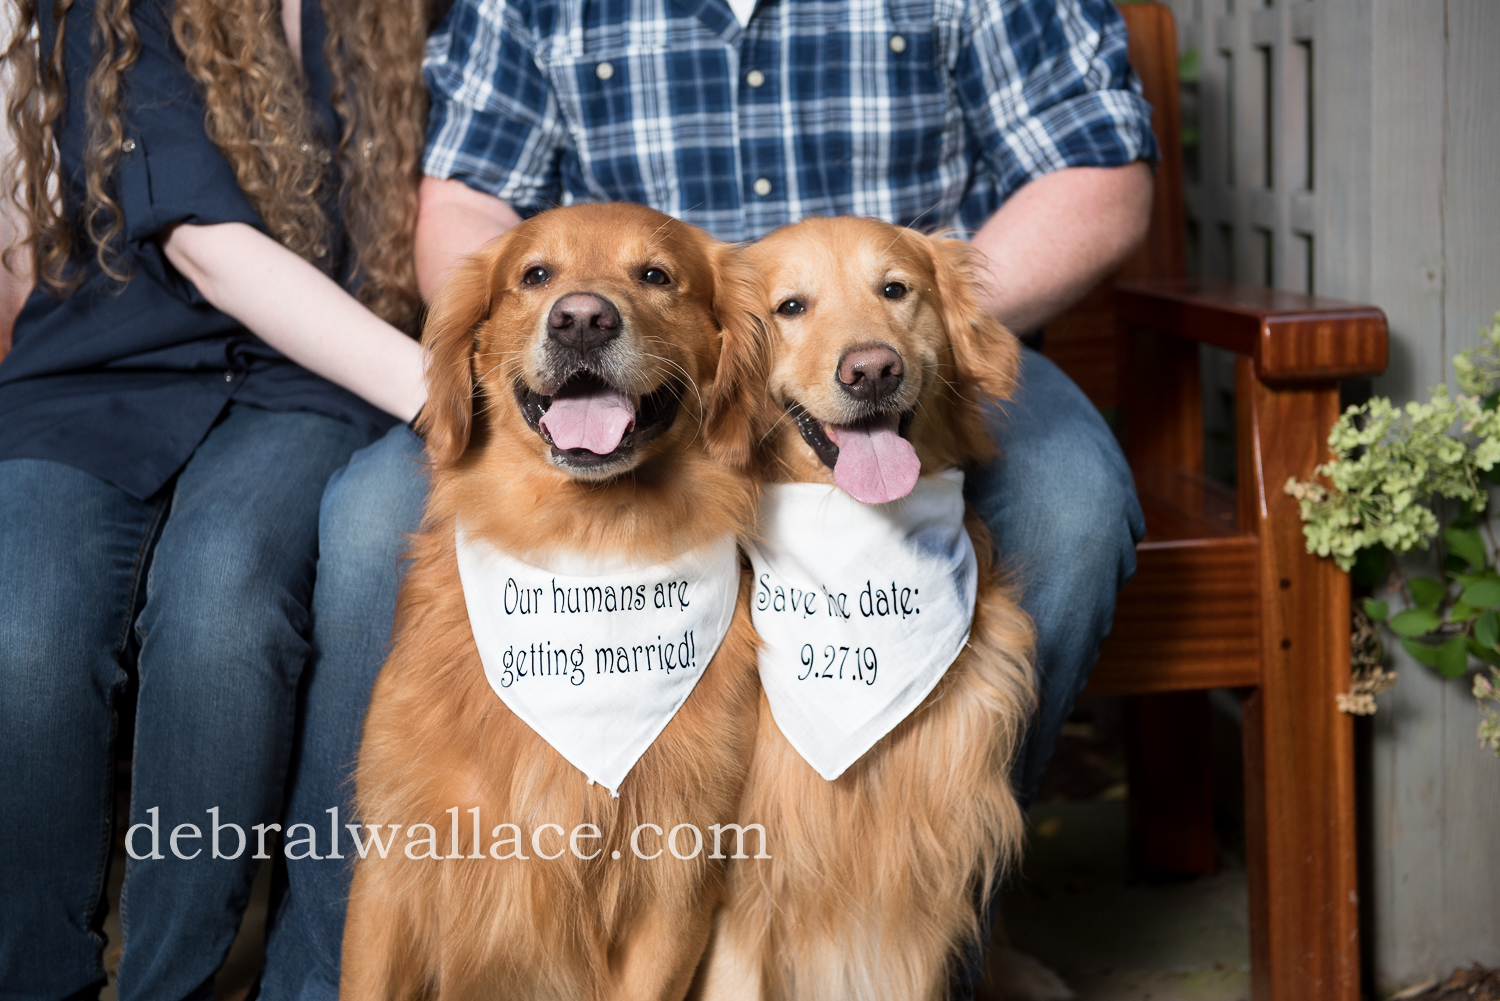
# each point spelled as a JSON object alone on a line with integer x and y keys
{"x": 1405, "y": 478}
{"x": 1487, "y": 691}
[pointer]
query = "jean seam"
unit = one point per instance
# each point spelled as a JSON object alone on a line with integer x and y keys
{"x": 139, "y": 577}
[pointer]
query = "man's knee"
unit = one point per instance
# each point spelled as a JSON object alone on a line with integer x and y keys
{"x": 371, "y": 505}
{"x": 1085, "y": 514}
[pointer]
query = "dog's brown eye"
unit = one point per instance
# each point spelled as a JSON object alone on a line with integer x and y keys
{"x": 535, "y": 276}
{"x": 656, "y": 276}
{"x": 895, "y": 290}
{"x": 792, "y": 307}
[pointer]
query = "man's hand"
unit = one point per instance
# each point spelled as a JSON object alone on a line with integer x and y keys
{"x": 1058, "y": 237}
{"x": 453, "y": 221}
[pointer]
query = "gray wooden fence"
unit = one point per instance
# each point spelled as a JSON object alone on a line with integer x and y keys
{"x": 1352, "y": 148}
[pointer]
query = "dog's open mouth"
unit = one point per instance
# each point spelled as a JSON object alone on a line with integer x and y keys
{"x": 871, "y": 460}
{"x": 591, "y": 424}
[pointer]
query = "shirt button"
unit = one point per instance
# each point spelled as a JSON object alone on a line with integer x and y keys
{"x": 755, "y": 78}
{"x": 761, "y": 186}
{"x": 128, "y": 146}
{"x": 229, "y": 376}
{"x": 604, "y": 70}
{"x": 898, "y": 43}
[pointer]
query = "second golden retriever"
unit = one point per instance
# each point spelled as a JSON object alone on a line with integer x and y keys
{"x": 881, "y": 354}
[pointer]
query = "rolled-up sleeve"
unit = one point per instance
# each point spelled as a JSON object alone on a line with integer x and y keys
{"x": 1045, "y": 84}
{"x": 494, "y": 122}
{"x": 170, "y": 171}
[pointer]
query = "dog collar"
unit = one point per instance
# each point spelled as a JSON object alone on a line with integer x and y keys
{"x": 861, "y": 609}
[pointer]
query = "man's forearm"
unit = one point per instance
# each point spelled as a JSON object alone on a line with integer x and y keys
{"x": 453, "y": 221}
{"x": 1058, "y": 237}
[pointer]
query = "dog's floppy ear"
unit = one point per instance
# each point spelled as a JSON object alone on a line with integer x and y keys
{"x": 735, "y": 412}
{"x": 986, "y": 356}
{"x": 448, "y": 335}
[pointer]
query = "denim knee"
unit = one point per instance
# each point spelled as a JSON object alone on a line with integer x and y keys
{"x": 219, "y": 605}
{"x": 368, "y": 508}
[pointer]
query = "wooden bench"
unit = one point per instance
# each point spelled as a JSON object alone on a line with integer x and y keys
{"x": 1225, "y": 594}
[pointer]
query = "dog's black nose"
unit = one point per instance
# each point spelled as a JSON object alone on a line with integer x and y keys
{"x": 583, "y": 321}
{"x": 871, "y": 374}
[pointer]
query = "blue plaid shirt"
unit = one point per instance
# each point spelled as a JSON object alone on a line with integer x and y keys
{"x": 923, "y": 112}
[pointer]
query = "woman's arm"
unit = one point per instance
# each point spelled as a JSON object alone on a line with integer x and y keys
{"x": 14, "y": 286}
{"x": 300, "y": 312}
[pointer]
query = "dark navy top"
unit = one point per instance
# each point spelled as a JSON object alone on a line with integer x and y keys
{"x": 124, "y": 381}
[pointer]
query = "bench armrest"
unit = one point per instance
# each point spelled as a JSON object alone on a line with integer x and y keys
{"x": 1290, "y": 337}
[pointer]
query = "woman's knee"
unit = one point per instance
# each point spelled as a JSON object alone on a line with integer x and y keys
{"x": 68, "y": 548}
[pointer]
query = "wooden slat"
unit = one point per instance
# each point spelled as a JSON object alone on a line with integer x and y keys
{"x": 1186, "y": 620}
{"x": 1153, "y": 56}
{"x": 1162, "y": 401}
{"x": 1290, "y": 336}
{"x": 1082, "y": 343}
{"x": 1299, "y": 749}
{"x": 1082, "y": 340}
{"x": 1180, "y": 505}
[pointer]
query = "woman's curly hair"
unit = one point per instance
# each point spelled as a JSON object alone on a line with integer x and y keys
{"x": 258, "y": 116}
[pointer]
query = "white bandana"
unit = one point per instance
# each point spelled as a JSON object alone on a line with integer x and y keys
{"x": 597, "y": 661}
{"x": 860, "y": 608}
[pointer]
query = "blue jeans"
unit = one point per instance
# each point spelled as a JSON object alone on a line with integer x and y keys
{"x": 369, "y": 508}
{"x": 203, "y": 590}
{"x": 1060, "y": 501}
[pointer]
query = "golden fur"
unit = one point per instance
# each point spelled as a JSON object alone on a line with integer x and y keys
{"x": 437, "y": 737}
{"x": 871, "y": 890}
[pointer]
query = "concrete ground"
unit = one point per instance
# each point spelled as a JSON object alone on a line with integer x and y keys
{"x": 1078, "y": 909}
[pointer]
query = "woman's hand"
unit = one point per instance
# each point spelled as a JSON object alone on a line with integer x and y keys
{"x": 300, "y": 312}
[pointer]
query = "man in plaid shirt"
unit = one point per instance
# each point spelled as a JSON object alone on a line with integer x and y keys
{"x": 1016, "y": 122}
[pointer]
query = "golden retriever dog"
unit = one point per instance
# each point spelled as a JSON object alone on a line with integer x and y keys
{"x": 880, "y": 354}
{"x": 591, "y": 378}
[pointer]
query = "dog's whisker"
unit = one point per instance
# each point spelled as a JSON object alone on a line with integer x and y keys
{"x": 688, "y": 381}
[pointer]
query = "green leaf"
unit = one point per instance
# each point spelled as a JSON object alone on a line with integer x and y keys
{"x": 1491, "y": 401}
{"x": 1461, "y": 612}
{"x": 1427, "y": 593}
{"x": 1371, "y": 566}
{"x": 1466, "y": 579}
{"x": 1414, "y": 622}
{"x": 1482, "y": 594}
{"x": 1487, "y": 629}
{"x": 1466, "y": 543}
{"x": 1421, "y": 652}
{"x": 1453, "y": 657}
{"x": 1376, "y": 610}
{"x": 1490, "y": 656}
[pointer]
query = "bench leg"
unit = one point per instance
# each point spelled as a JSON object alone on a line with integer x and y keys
{"x": 1299, "y": 749}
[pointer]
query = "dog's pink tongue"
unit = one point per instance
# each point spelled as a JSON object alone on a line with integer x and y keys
{"x": 595, "y": 421}
{"x": 875, "y": 464}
